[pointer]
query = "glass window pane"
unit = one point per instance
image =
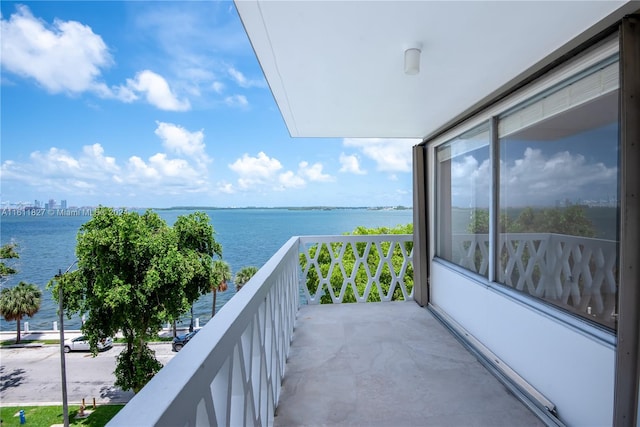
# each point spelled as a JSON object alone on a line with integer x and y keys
{"x": 463, "y": 186}
{"x": 558, "y": 222}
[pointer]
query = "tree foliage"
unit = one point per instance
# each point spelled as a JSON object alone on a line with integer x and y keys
{"x": 570, "y": 220}
{"x": 221, "y": 273}
{"x": 7, "y": 251}
{"x": 19, "y": 301}
{"x": 361, "y": 277}
{"x": 135, "y": 273}
{"x": 244, "y": 275}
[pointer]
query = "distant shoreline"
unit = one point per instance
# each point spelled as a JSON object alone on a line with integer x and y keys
{"x": 290, "y": 208}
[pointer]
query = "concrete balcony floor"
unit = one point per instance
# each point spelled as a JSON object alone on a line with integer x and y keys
{"x": 388, "y": 364}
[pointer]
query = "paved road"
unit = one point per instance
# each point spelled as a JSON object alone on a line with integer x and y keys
{"x": 32, "y": 375}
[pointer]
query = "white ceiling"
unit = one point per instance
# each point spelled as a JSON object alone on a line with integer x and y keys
{"x": 336, "y": 67}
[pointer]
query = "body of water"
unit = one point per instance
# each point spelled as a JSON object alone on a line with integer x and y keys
{"x": 46, "y": 244}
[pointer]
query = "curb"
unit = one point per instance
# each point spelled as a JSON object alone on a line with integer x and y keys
{"x": 30, "y": 345}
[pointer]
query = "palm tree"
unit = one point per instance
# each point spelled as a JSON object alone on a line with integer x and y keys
{"x": 19, "y": 301}
{"x": 244, "y": 275}
{"x": 221, "y": 273}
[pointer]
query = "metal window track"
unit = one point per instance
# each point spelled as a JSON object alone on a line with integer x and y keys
{"x": 533, "y": 399}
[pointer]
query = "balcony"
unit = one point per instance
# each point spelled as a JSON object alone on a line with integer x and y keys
{"x": 274, "y": 356}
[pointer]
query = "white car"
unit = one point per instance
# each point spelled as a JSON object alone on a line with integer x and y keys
{"x": 82, "y": 344}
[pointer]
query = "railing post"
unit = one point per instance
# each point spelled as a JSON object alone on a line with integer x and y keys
{"x": 549, "y": 274}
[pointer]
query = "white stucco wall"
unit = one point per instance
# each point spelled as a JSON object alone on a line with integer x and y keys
{"x": 570, "y": 367}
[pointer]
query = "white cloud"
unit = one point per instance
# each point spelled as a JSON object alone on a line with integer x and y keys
{"x": 69, "y": 57}
{"x": 350, "y": 164}
{"x": 313, "y": 172}
{"x": 164, "y": 175}
{"x": 290, "y": 180}
{"x": 124, "y": 94}
{"x": 180, "y": 141}
{"x": 156, "y": 91}
{"x": 533, "y": 179}
{"x": 264, "y": 171}
{"x": 172, "y": 167}
{"x": 539, "y": 179}
{"x": 94, "y": 158}
{"x": 242, "y": 81}
{"x": 58, "y": 169}
{"x": 225, "y": 187}
{"x": 56, "y": 160}
{"x": 236, "y": 101}
{"x": 64, "y": 57}
{"x": 93, "y": 172}
{"x": 138, "y": 168}
{"x": 390, "y": 155}
{"x": 59, "y": 163}
{"x": 217, "y": 87}
{"x": 257, "y": 170}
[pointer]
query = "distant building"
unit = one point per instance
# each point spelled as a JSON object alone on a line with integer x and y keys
{"x": 63, "y": 204}
{"x": 51, "y": 204}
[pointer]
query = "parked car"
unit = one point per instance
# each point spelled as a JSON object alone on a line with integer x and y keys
{"x": 82, "y": 344}
{"x": 182, "y": 340}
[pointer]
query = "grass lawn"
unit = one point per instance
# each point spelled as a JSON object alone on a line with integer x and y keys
{"x": 45, "y": 416}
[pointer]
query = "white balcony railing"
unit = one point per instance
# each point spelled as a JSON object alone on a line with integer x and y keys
{"x": 577, "y": 273}
{"x": 363, "y": 268}
{"x": 231, "y": 372}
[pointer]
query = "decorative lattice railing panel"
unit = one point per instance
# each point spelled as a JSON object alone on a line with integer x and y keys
{"x": 472, "y": 252}
{"x": 360, "y": 268}
{"x": 576, "y": 273}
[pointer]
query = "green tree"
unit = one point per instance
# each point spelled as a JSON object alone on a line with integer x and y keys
{"x": 479, "y": 223}
{"x": 221, "y": 273}
{"x": 571, "y": 220}
{"x": 19, "y": 301}
{"x": 326, "y": 251}
{"x": 135, "y": 273}
{"x": 244, "y": 275}
{"x": 7, "y": 251}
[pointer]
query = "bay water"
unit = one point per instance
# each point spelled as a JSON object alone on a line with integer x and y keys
{"x": 249, "y": 237}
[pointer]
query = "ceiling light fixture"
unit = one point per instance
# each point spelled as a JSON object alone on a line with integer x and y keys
{"x": 412, "y": 58}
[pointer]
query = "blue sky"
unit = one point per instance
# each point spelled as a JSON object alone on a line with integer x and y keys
{"x": 159, "y": 104}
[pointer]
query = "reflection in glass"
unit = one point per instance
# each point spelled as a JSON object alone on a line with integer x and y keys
{"x": 558, "y": 198}
{"x": 463, "y": 187}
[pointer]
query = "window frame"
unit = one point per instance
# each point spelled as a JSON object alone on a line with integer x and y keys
{"x": 449, "y": 246}
{"x": 571, "y": 69}
{"x": 610, "y": 68}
